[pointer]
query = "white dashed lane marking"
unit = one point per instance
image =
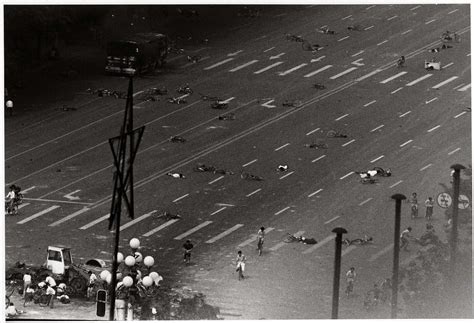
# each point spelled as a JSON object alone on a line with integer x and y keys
{"x": 180, "y": 198}
{"x": 341, "y": 117}
{"x": 418, "y": 79}
{"x": 332, "y": 220}
{"x": 161, "y": 227}
{"x": 368, "y": 75}
{"x": 286, "y": 175}
{"x": 429, "y": 101}
{"x": 250, "y": 162}
{"x": 434, "y": 128}
{"x": 406, "y": 32}
{"x": 90, "y": 224}
{"x": 312, "y": 131}
{"x": 455, "y": 150}
{"x": 320, "y": 157}
{"x": 378, "y": 158}
{"x": 219, "y": 210}
{"x": 406, "y": 143}
{"x": 219, "y": 63}
{"x": 377, "y": 128}
{"x": 348, "y": 174}
{"x": 268, "y": 67}
{"x": 402, "y": 115}
{"x": 282, "y": 210}
{"x": 191, "y": 231}
{"x": 452, "y": 11}
{"x": 343, "y": 38}
{"x": 318, "y": 71}
{"x": 381, "y": 252}
{"x": 414, "y": 8}
{"x": 347, "y": 250}
{"x": 281, "y": 147}
{"x": 36, "y": 215}
{"x": 393, "y": 77}
{"x": 464, "y": 88}
{"x": 370, "y": 103}
{"x": 346, "y": 17}
{"x": 437, "y": 86}
{"x": 358, "y": 53}
{"x": 141, "y": 218}
{"x": 225, "y": 233}
{"x": 348, "y": 143}
{"x": 217, "y": 179}
{"x": 314, "y": 193}
{"x": 364, "y": 202}
{"x": 391, "y": 18}
{"x": 395, "y": 91}
{"x": 370, "y": 27}
{"x": 460, "y": 114}
{"x": 383, "y": 42}
{"x": 425, "y": 167}
{"x": 430, "y": 21}
{"x": 69, "y": 217}
{"x": 252, "y": 193}
{"x": 343, "y": 73}
{"x": 393, "y": 185}
{"x": 243, "y": 65}
{"x": 292, "y": 69}
{"x": 369, "y": 7}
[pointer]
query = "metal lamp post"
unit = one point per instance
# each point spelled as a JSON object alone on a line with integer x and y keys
{"x": 337, "y": 271}
{"x": 454, "y": 231}
{"x": 396, "y": 252}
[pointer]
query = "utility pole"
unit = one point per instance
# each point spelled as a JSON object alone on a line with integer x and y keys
{"x": 123, "y": 180}
{"x": 337, "y": 271}
{"x": 396, "y": 252}
{"x": 454, "y": 230}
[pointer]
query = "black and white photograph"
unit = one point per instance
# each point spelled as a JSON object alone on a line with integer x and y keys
{"x": 233, "y": 160}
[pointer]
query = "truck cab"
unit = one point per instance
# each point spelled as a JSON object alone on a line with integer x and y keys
{"x": 59, "y": 259}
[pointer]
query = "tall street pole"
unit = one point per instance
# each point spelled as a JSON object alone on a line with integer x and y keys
{"x": 337, "y": 271}
{"x": 396, "y": 252}
{"x": 454, "y": 231}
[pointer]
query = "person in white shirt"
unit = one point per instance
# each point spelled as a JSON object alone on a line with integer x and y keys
{"x": 26, "y": 282}
{"x": 10, "y": 199}
{"x": 50, "y": 281}
{"x": 90, "y": 287}
{"x": 52, "y": 293}
{"x": 9, "y": 106}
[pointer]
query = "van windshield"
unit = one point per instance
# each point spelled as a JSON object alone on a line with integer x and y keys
{"x": 121, "y": 49}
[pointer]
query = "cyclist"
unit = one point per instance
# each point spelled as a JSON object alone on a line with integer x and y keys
{"x": 187, "y": 246}
{"x": 414, "y": 205}
{"x": 260, "y": 239}
{"x": 401, "y": 61}
{"x": 10, "y": 199}
{"x": 404, "y": 236}
{"x": 350, "y": 278}
{"x": 240, "y": 260}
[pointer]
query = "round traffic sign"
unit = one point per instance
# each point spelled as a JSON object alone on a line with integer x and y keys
{"x": 444, "y": 200}
{"x": 463, "y": 202}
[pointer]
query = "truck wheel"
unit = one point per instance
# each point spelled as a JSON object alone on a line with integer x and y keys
{"x": 79, "y": 286}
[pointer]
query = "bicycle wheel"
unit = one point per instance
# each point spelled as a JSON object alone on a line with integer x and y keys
{"x": 331, "y": 133}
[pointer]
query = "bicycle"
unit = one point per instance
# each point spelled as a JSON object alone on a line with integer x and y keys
{"x": 176, "y": 100}
{"x": 249, "y": 176}
{"x": 335, "y": 134}
{"x": 228, "y": 116}
{"x": 317, "y": 145}
{"x": 358, "y": 241}
{"x": 177, "y": 139}
{"x": 289, "y": 103}
{"x": 295, "y": 38}
{"x": 319, "y": 86}
{"x": 169, "y": 216}
{"x": 184, "y": 89}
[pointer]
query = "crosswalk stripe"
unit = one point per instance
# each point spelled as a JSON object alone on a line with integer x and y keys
{"x": 67, "y": 218}
{"x": 464, "y": 88}
{"x": 196, "y": 228}
{"x": 23, "y": 205}
{"x": 253, "y": 238}
{"x": 419, "y": 79}
{"x": 318, "y": 71}
{"x": 292, "y": 69}
{"x": 225, "y": 233}
{"x": 244, "y": 65}
{"x": 221, "y": 209}
{"x": 219, "y": 63}
{"x": 34, "y": 216}
{"x": 381, "y": 252}
{"x": 268, "y": 67}
{"x": 281, "y": 244}
{"x": 343, "y": 73}
{"x": 164, "y": 225}
{"x": 393, "y": 77}
{"x": 319, "y": 244}
{"x": 437, "y": 86}
{"x": 368, "y": 75}
{"x": 90, "y": 224}
{"x": 141, "y": 218}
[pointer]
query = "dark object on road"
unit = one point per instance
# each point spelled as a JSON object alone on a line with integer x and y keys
{"x": 177, "y": 139}
{"x": 291, "y": 238}
{"x": 218, "y": 105}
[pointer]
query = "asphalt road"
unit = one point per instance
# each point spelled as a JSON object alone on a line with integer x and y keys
{"x": 409, "y": 119}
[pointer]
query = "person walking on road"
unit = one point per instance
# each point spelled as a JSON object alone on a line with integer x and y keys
{"x": 26, "y": 282}
{"x": 404, "y": 236}
{"x": 260, "y": 240}
{"x": 240, "y": 261}
{"x": 350, "y": 279}
{"x": 187, "y": 246}
{"x": 92, "y": 282}
{"x": 414, "y": 206}
{"x": 429, "y": 203}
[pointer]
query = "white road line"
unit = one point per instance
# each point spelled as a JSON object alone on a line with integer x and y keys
{"x": 455, "y": 150}
{"x": 414, "y": 8}
{"x": 22, "y": 205}
{"x": 281, "y": 147}
{"x": 217, "y": 179}
{"x": 402, "y": 115}
{"x": 250, "y": 162}
{"x": 348, "y": 174}
{"x": 191, "y": 231}
{"x": 225, "y": 233}
{"x": 243, "y": 65}
{"x": 219, "y": 63}
{"x": 267, "y": 50}
{"x": 161, "y": 227}
{"x": 370, "y": 27}
{"x": 346, "y": 17}
{"x": 464, "y": 88}
{"x": 281, "y": 244}
{"x": 377, "y": 128}
{"x": 381, "y": 252}
{"x": 363, "y": 202}
{"x": 434, "y": 128}
{"x": 395, "y": 91}
{"x": 267, "y": 68}
{"x": 393, "y": 77}
{"x": 437, "y": 86}
{"x": 343, "y": 73}
{"x": 393, "y": 185}
{"x": 370, "y": 103}
{"x": 286, "y": 175}
{"x": 406, "y": 143}
{"x": 253, "y": 238}
{"x": 73, "y": 215}
{"x": 447, "y": 65}
{"x": 425, "y": 167}
{"x": 292, "y": 69}
{"x": 348, "y": 143}
{"x": 27, "y": 190}
{"x": 347, "y": 250}
{"x": 341, "y": 117}
{"x": 406, "y": 31}
{"x": 419, "y": 79}
{"x": 382, "y": 42}
{"x": 433, "y": 99}
{"x": 318, "y": 71}
{"x": 181, "y": 197}
{"x": 429, "y": 22}
{"x": 458, "y": 86}
{"x": 333, "y": 219}
{"x": 452, "y": 11}
{"x": 368, "y": 75}
{"x": 220, "y": 210}
{"x": 460, "y": 114}
{"x": 282, "y": 210}
{"x": 227, "y": 100}
{"x": 314, "y": 193}
{"x": 90, "y": 224}
{"x": 378, "y": 158}
{"x": 319, "y": 244}
{"x": 141, "y": 218}
{"x": 391, "y": 18}
{"x": 320, "y": 157}
{"x": 343, "y": 38}
{"x": 358, "y": 53}
{"x": 312, "y": 131}
{"x": 34, "y": 216}
{"x": 250, "y": 194}
{"x": 369, "y": 7}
